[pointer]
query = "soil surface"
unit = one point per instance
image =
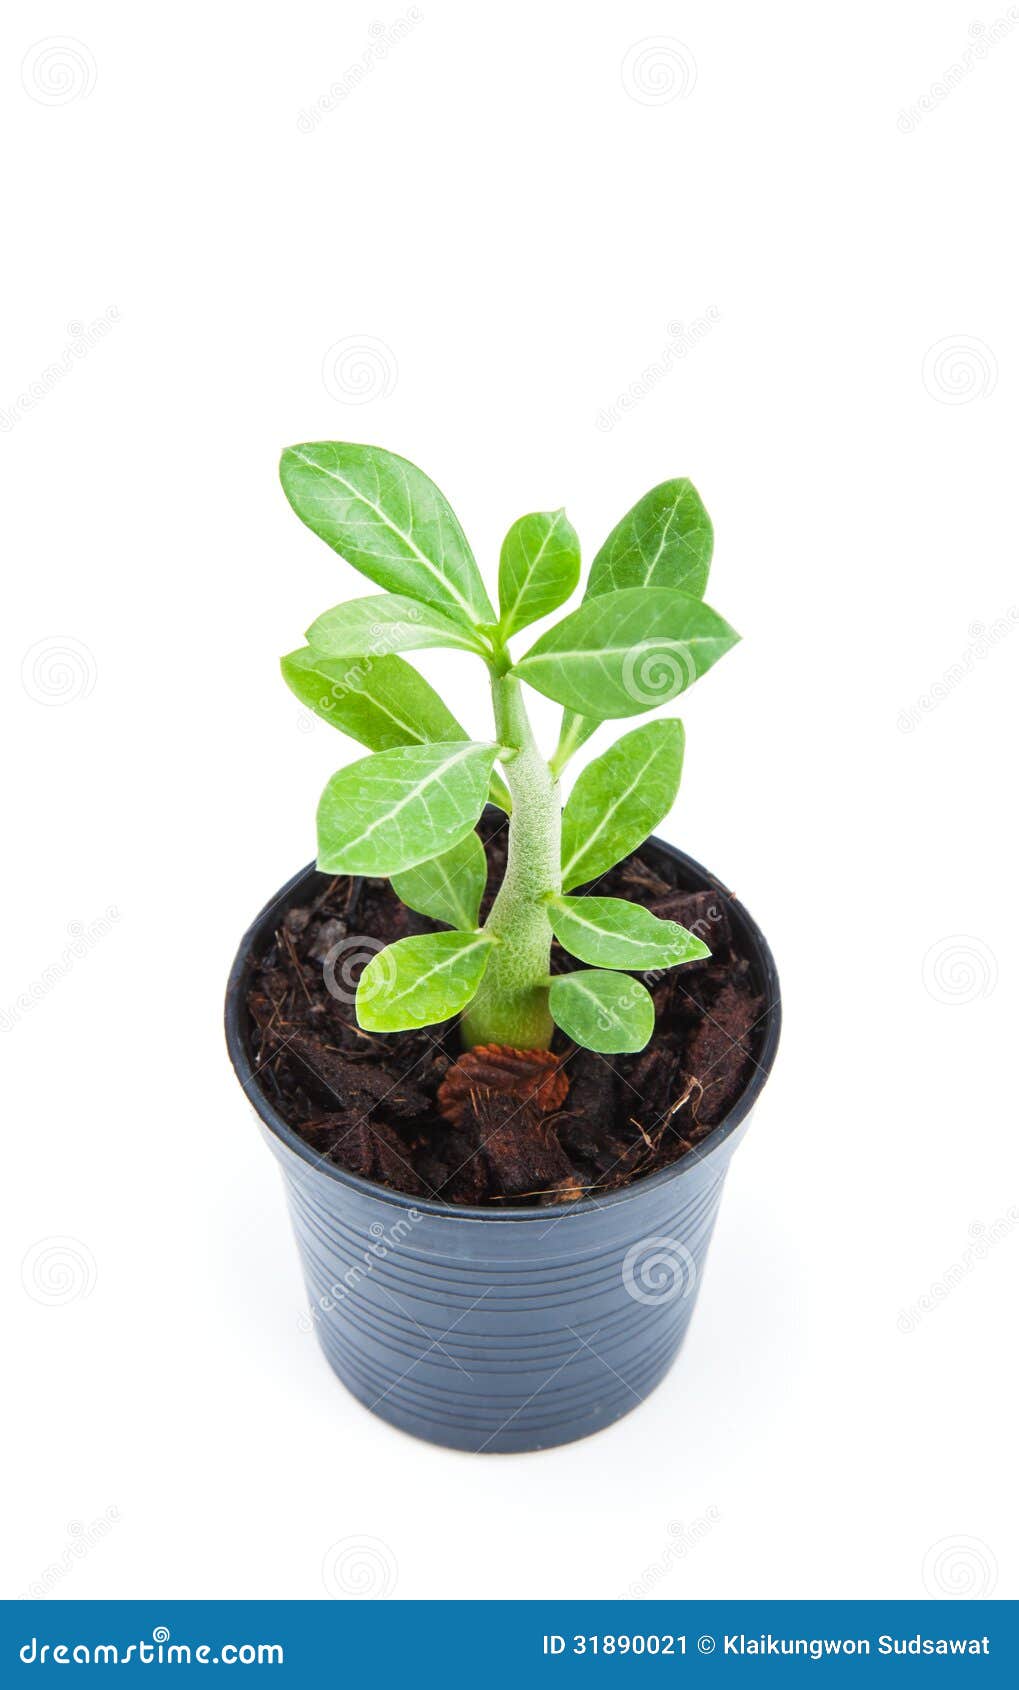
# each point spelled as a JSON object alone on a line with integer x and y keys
{"x": 368, "y": 1102}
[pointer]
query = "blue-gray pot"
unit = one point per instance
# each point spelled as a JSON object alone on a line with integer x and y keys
{"x": 502, "y": 1330}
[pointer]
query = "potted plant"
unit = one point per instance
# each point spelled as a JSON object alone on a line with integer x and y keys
{"x": 502, "y": 1047}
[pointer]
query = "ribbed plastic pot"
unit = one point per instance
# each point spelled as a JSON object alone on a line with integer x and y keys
{"x": 491, "y": 1330}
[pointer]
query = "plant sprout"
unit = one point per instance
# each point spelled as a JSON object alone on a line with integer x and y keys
{"x": 641, "y": 635}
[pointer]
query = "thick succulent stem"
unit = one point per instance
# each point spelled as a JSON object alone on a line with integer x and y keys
{"x": 511, "y": 1006}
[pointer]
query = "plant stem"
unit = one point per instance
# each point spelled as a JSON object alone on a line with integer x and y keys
{"x": 511, "y": 1006}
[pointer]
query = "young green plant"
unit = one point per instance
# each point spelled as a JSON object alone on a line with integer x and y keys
{"x": 641, "y": 635}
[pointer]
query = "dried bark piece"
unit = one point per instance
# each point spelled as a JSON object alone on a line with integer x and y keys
{"x": 656, "y": 1079}
{"x": 372, "y": 1149}
{"x": 523, "y": 1074}
{"x": 353, "y": 1085}
{"x": 296, "y": 920}
{"x": 677, "y": 1131}
{"x": 587, "y": 1127}
{"x": 643, "y": 879}
{"x": 330, "y": 934}
{"x": 719, "y": 1053}
{"x": 519, "y": 1148}
{"x": 448, "y": 1161}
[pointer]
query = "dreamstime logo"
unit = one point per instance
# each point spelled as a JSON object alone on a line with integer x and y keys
{"x": 81, "y": 1540}
{"x": 704, "y": 929}
{"x": 383, "y": 1241}
{"x": 982, "y": 642}
{"x": 83, "y": 338}
{"x": 682, "y": 1538}
{"x": 960, "y": 1567}
{"x": 383, "y": 39}
{"x": 386, "y": 637}
{"x": 345, "y": 962}
{"x": 658, "y": 1270}
{"x": 683, "y": 337}
{"x": 653, "y": 674}
{"x": 359, "y": 1566}
{"x": 58, "y": 1270}
{"x": 606, "y": 1018}
{"x": 81, "y": 940}
{"x": 58, "y": 70}
{"x": 960, "y": 969}
{"x": 982, "y": 1239}
{"x": 658, "y": 70}
{"x": 982, "y": 38}
{"x": 959, "y": 369}
{"x": 58, "y": 670}
{"x": 359, "y": 369}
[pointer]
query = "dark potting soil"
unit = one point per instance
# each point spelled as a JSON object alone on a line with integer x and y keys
{"x": 368, "y": 1102}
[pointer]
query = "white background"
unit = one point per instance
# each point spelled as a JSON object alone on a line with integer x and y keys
{"x": 517, "y": 205}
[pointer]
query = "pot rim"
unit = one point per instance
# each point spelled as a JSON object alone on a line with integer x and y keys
{"x": 762, "y": 962}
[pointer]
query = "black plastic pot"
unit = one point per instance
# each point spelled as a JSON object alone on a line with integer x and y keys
{"x": 512, "y": 1330}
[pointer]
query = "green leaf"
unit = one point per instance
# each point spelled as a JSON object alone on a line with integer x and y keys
{"x": 420, "y": 981}
{"x": 450, "y": 887}
{"x": 602, "y": 1011}
{"x": 613, "y": 933}
{"x": 619, "y": 798}
{"x": 388, "y": 812}
{"x": 539, "y": 567}
{"x": 666, "y": 540}
{"x": 380, "y": 701}
{"x": 627, "y": 651}
{"x": 389, "y": 521}
{"x": 386, "y": 622}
